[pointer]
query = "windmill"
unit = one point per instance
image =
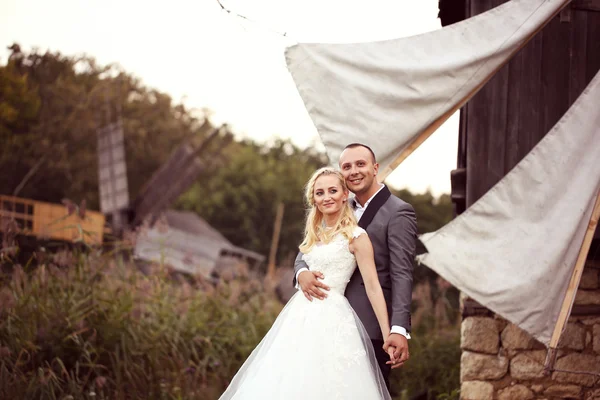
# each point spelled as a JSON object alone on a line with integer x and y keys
{"x": 187, "y": 243}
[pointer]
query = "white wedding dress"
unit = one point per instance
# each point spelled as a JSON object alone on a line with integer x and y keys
{"x": 314, "y": 350}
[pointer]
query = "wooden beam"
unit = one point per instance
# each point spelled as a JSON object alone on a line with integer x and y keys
{"x": 275, "y": 241}
{"x": 565, "y": 15}
{"x": 586, "y": 5}
{"x": 567, "y": 305}
{"x": 471, "y": 308}
{"x": 582, "y": 310}
{"x": 174, "y": 177}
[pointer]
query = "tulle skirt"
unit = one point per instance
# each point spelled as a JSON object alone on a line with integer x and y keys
{"x": 314, "y": 350}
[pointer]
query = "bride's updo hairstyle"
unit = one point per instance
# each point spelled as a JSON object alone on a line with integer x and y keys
{"x": 315, "y": 229}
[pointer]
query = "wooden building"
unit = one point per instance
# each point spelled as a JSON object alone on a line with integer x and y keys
{"x": 52, "y": 221}
{"x": 524, "y": 100}
{"x": 188, "y": 244}
{"x": 498, "y": 127}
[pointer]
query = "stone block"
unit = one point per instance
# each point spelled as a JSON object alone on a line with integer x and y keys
{"x": 500, "y": 322}
{"x": 479, "y": 334}
{"x": 537, "y": 388}
{"x": 577, "y": 362}
{"x": 587, "y": 297}
{"x": 564, "y": 391}
{"x": 516, "y": 392}
{"x": 593, "y": 395}
{"x": 474, "y": 366}
{"x": 573, "y": 337}
{"x": 528, "y": 365}
{"x": 476, "y": 390}
{"x": 590, "y": 321}
{"x": 589, "y": 279}
{"x": 596, "y": 340}
{"x": 514, "y": 338}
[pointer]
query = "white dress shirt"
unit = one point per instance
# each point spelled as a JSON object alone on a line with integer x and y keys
{"x": 358, "y": 212}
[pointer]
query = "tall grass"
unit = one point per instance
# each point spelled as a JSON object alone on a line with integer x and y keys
{"x": 92, "y": 326}
{"x": 433, "y": 370}
{"x": 84, "y": 326}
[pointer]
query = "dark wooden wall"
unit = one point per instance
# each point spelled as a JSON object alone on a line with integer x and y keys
{"x": 510, "y": 115}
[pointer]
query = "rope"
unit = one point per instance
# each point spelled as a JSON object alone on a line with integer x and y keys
{"x": 284, "y": 34}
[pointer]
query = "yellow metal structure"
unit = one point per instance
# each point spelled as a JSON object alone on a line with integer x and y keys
{"x": 52, "y": 221}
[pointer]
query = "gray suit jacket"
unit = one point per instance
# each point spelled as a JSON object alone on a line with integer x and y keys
{"x": 392, "y": 227}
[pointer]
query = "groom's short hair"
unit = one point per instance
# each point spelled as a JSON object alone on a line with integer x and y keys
{"x": 354, "y": 145}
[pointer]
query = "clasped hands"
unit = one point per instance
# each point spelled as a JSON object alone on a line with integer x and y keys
{"x": 395, "y": 345}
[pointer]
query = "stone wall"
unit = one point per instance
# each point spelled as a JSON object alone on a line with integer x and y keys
{"x": 501, "y": 362}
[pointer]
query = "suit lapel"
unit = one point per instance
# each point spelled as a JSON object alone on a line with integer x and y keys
{"x": 374, "y": 206}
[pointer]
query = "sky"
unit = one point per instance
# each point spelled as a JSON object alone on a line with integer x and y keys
{"x": 206, "y": 57}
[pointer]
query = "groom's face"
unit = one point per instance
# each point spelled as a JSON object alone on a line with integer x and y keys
{"x": 359, "y": 169}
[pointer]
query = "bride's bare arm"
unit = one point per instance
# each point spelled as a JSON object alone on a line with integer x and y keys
{"x": 363, "y": 251}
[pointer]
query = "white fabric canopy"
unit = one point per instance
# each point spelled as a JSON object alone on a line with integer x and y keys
{"x": 393, "y": 94}
{"x": 514, "y": 250}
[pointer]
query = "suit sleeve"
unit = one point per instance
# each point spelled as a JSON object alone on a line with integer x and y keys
{"x": 402, "y": 239}
{"x": 298, "y": 265}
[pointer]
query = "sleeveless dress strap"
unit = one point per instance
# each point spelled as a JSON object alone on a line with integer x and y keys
{"x": 358, "y": 231}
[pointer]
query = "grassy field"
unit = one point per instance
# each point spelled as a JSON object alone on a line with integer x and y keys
{"x": 92, "y": 326}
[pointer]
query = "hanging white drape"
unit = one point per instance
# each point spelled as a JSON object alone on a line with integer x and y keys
{"x": 514, "y": 250}
{"x": 392, "y": 94}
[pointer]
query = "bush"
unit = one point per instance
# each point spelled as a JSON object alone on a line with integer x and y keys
{"x": 433, "y": 371}
{"x": 88, "y": 327}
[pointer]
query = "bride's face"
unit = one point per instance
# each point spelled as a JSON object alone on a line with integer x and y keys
{"x": 329, "y": 194}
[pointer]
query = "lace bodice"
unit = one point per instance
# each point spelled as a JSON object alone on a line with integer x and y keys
{"x": 334, "y": 260}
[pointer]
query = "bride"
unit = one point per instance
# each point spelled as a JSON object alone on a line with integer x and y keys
{"x": 320, "y": 349}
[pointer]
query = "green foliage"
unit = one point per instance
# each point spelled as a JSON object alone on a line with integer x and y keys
{"x": 50, "y": 108}
{"x": 432, "y": 213}
{"x": 255, "y": 179}
{"x": 433, "y": 371}
{"x": 453, "y": 395}
{"x": 19, "y": 102}
{"x": 93, "y": 325}
{"x": 89, "y": 327}
{"x": 240, "y": 199}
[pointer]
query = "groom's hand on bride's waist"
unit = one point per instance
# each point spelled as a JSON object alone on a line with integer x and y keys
{"x": 310, "y": 285}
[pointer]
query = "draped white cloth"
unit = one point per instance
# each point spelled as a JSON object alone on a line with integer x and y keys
{"x": 514, "y": 250}
{"x": 388, "y": 93}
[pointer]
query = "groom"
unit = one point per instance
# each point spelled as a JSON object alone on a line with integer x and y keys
{"x": 392, "y": 227}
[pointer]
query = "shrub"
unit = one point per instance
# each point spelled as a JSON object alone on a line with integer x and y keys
{"x": 92, "y": 326}
{"x": 433, "y": 370}
{"x": 98, "y": 328}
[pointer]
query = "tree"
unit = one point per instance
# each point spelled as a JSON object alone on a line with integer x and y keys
{"x": 19, "y": 102}
{"x": 432, "y": 213}
{"x": 240, "y": 199}
{"x": 50, "y": 108}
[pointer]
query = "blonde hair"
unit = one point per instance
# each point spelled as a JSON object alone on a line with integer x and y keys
{"x": 315, "y": 230}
